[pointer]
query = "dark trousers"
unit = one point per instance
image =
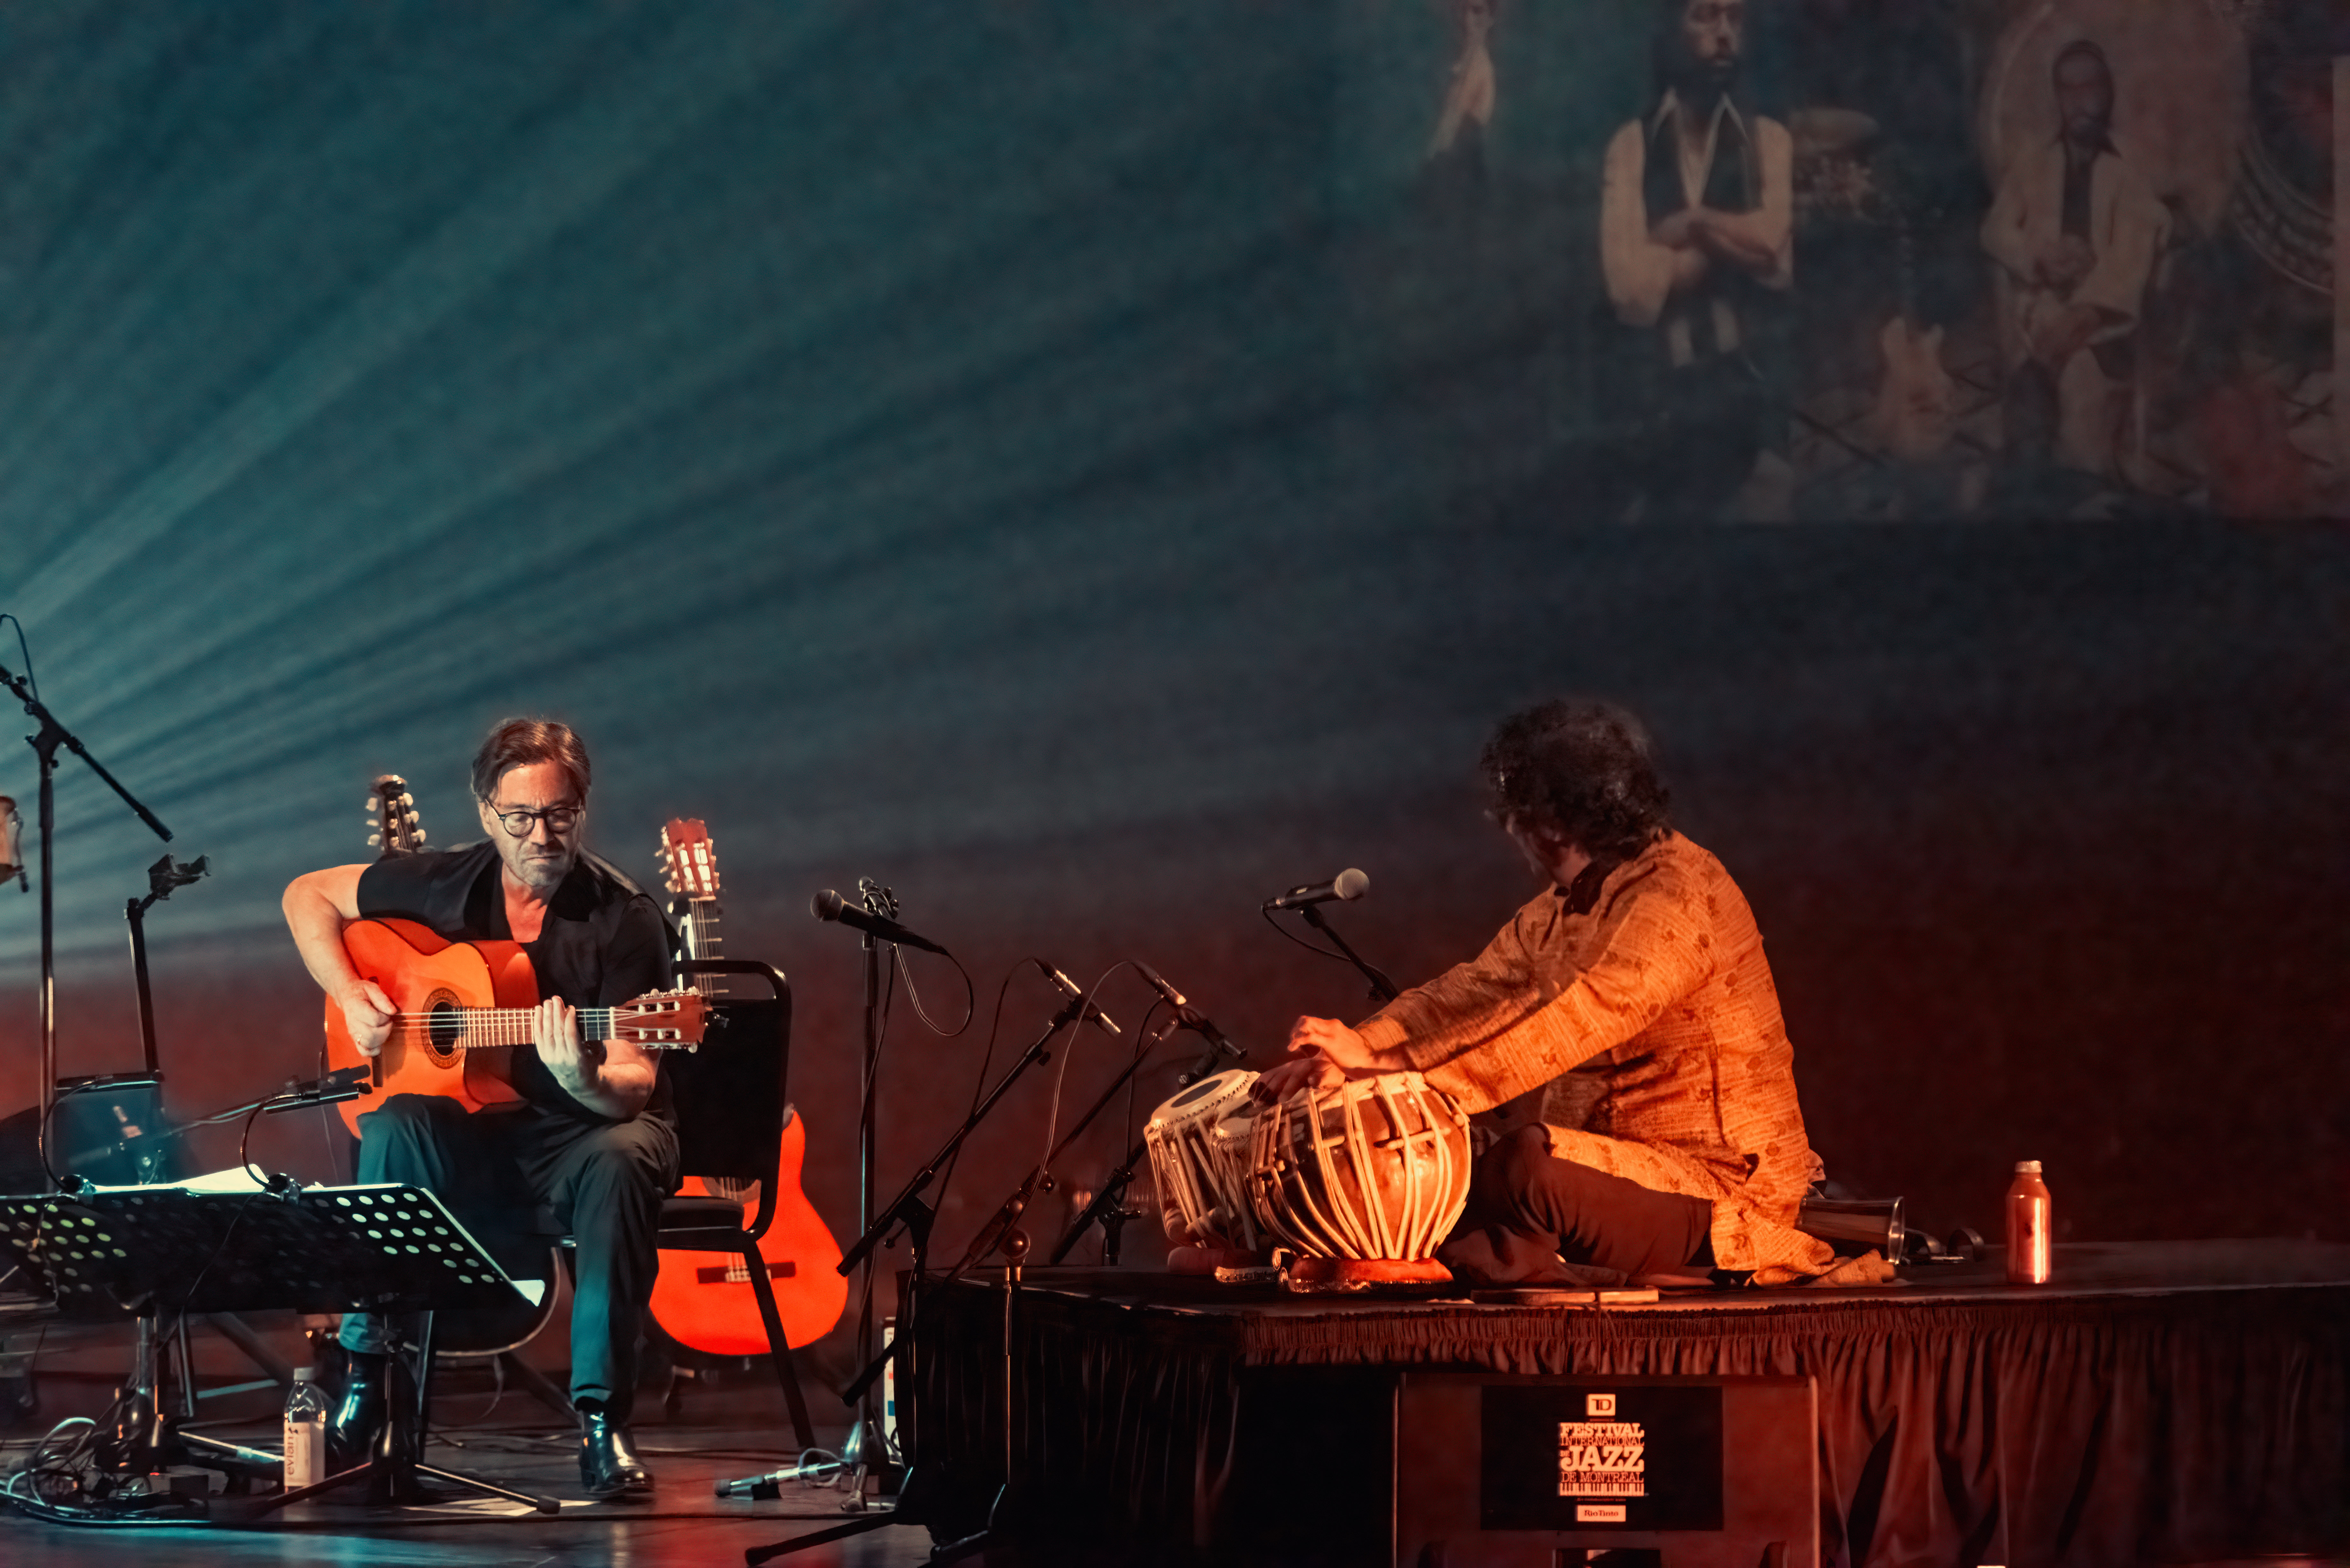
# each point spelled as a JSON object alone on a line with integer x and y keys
{"x": 1530, "y": 1214}
{"x": 603, "y": 1180}
{"x": 1702, "y": 435}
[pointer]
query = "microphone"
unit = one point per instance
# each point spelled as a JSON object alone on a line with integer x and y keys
{"x": 1069, "y": 989}
{"x": 831, "y": 905}
{"x": 770, "y": 1486}
{"x": 343, "y": 1084}
{"x": 1159, "y": 984}
{"x": 1347, "y": 885}
{"x": 1189, "y": 1016}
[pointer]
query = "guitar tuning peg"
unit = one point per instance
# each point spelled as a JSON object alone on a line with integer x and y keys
{"x": 406, "y": 798}
{"x": 373, "y": 805}
{"x": 413, "y": 820}
{"x": 375, "y": 840}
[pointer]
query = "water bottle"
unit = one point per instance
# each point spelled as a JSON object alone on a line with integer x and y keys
{"x": 305, "y": 1431}
{"x": 2028, "y": 1225}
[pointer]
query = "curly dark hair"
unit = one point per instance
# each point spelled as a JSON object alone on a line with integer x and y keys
{"x": 1582, "y": 769}
{"x": 518, "y": 743}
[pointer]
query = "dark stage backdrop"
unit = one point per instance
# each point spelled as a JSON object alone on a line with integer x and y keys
{"x": 997, "y": 449}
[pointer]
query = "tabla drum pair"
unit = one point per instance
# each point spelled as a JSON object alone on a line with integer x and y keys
{"x": 1362, "y": 1179}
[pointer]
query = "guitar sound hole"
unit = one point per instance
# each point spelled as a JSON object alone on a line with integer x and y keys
{"x": 441, "y": 1035}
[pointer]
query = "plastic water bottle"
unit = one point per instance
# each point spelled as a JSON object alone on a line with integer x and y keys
{"x": 2030, "y": 1224}
{"x": 305, "y": 1431}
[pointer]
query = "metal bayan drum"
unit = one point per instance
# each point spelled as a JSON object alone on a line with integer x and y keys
{"x": 1202, "y": 1200}
{"x": 1365, "y": 1179}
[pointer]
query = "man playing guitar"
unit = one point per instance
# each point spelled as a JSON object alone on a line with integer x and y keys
{"x": 594, "y": 1138}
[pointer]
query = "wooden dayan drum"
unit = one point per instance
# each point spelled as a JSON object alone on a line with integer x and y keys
{"x": 1365, "y": 1178}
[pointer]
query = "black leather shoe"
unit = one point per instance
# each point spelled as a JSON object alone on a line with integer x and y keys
{"x": 357, "y": 1419}
{"x": 608, "y": 1466}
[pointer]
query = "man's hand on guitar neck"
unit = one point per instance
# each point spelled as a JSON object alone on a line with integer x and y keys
{"x": 611, "y": 1077}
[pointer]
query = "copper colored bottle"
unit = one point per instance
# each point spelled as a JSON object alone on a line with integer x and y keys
{"x": 2028, "y": 1225}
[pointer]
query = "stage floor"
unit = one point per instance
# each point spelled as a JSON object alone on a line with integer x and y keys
{"x": 1962, "y": 1419}
{"x": 725, "y": 1436}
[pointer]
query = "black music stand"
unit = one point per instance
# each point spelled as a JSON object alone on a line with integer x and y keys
{"x": 150, "y": 1252}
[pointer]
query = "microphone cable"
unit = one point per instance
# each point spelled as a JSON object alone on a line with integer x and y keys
{"x": 898, "y": 956}
{"x": 1288, "y": 935}
{"x": 1053, "y": 1116}
{"x": 979, "y": 1085}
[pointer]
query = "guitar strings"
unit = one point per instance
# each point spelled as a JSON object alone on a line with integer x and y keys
{"x": 513, "y": 1026}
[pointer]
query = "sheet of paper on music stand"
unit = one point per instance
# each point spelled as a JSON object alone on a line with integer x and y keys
{"x": 237, "y": 1178}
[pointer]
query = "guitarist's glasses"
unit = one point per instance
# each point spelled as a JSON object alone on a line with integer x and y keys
{"x": 522, "y": 823}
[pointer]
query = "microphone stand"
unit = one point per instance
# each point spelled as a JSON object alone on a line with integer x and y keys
{"x": 910, "y": 1211}
{"x": 1002, "y": 1235}
{"x": 45, "y": 745}
{"x": 1381, "y": 986}
{"x": 865, "y": 1431}
{"x": 994, "y": 1233}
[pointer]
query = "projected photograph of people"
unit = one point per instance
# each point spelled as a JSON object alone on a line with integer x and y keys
{"x": 1776, "y": 260}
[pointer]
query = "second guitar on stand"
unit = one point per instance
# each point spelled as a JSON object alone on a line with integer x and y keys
{"x": 704, "y": 1300}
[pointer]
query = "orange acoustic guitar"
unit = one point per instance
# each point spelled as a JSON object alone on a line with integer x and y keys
{"x": 462, "y": 1009}
{"x": 704, "y": 1300}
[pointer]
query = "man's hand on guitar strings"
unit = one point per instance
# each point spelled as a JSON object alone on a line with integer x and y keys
{"x": 368, "y": 1012}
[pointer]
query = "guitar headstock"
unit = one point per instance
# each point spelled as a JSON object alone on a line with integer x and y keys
{"x": 663, "y": 1019}
{"x": 689, "y": 859}
{"x": 393, "y": 826}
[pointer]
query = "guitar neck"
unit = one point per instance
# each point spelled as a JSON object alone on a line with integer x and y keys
{"x": 481, "y": 1028}
{"x": 703, "y": 941}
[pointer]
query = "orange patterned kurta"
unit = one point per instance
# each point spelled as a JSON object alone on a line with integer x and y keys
{"x": 1660, "y": 991}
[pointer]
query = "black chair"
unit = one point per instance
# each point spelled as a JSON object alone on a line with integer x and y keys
{"x": 731, "y": 1109}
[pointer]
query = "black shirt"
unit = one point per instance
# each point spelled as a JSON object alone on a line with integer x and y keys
{"x": 603, "y": 941}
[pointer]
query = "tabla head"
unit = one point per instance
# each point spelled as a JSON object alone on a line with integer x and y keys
{"x": 1206, "y": 1100}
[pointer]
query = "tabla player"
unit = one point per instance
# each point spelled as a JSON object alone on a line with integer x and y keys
{"x": 1639, "y": 968}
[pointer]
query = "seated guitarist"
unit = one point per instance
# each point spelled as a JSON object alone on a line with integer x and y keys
{"x": 594, "y": 1138}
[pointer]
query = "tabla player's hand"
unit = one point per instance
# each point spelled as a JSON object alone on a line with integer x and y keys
{"x": 1276, "y": 1084}
{"x": 368, "y": 1013}
{"x": 555, "y": 1030}
{"x": 1330, "y": 1038}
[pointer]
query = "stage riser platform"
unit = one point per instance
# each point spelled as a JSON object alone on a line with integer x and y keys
{"x": 2146, "y": 1423}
